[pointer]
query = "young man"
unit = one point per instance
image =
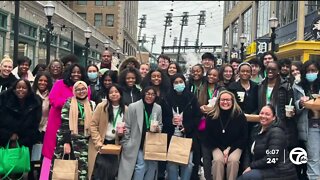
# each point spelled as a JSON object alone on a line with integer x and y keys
{"x": 163, "y": 62}
{"x": 256, "y": 67}
{"x": 106, "y": 61}
{"x": 208, "y": 61}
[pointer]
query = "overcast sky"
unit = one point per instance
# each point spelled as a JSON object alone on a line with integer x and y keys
{"x": 210, "y": 34}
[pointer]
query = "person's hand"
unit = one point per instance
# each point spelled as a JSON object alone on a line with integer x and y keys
{"x": 176, "y": 120}
{"x": 203, "y": 108}
{"x": 66, "y": 148}
{"x": 247, "y": 170}
{"x": 303, "y": 99}
{"x": 14, "y": 137}
{"x": 226, "y": 154}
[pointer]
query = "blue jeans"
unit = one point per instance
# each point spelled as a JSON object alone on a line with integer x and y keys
{"x": 186, "y": 170}
{"x": 313, "y": 153}
{"x": 144, "y": 169}
{"x": 254, "y": 174}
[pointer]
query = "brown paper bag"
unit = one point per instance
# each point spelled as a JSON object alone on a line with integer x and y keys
{"x": 313, "y": 104}
{"x": 179, "y": 150}
{"x": 65, "y": 169}
{"x": 252, "y": 117}
{"x": 155, "y": 146}
{"x": 111, "y": 149}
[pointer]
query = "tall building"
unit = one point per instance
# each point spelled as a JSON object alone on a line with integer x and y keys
{"x": 116, "y": 19}
{"x": 251, "y": 18}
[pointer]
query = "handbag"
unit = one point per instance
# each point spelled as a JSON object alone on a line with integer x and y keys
{"x": 65, "y": 169}
{"x": 202, "y": 124}
{"x": 110, "y": 149}
{"x": 14, "y": 160}
{"x": 155, "y": 146}
{"x": 179, "y": 150}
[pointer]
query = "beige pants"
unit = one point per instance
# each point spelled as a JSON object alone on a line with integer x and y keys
{"x": 232, "y": 164}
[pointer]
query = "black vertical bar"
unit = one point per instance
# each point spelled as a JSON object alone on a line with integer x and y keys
{"x": 16, "y": 31}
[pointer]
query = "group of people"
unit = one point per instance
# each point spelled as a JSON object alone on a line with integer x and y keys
{"x": 73, "y": 111}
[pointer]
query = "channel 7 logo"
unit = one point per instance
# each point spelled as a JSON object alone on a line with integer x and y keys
{"x": 298, "y": 156}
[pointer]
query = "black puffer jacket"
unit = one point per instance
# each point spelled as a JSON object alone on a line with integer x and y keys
{"x": 270, "y": 154}
{"x": 24, "y": 121}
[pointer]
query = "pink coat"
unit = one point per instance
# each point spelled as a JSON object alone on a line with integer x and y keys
{"x": 59, "y": 94}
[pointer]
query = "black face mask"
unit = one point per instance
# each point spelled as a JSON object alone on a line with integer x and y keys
{"x": 82, "y": 98}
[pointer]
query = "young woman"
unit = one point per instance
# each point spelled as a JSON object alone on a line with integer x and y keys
{"x": 159, "y": 80}
{"x": 137, "y": 120}
{"x": 93, "y": 76}
{"x": 226, "y": 75}
{"x": 296, "y": 68}
{"x": 42, "y": 86}
{"x": 268, "y": 157}
{"x": 108, "y": 78}
{"x": 59, "y": 94}
{"x": 195, "y": 82}
{"x": 309, "y": 120}
{"x": 20, "y": 112}
{"x": 256, "y": 67}
{"x": 55, "y": 69}
{"x": 226, "y": 136}
{"x": 179, "y": 97}
{"x": 73, "y": 135}
{"x": 7, "y": 79}
{"x": 173, "y": 69}
{"x": 128, "y": 79}
{"x": 144, "y": 69}
{"x": 104, "y": 131}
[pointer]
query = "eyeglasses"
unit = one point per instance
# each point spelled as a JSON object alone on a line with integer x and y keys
{"x": 225, "y": 100}
{"x": 151, "y": 94}
{"x": 81, "y": 90}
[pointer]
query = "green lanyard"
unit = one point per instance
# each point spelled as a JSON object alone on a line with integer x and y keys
{"x": 115, "y": 119}
{"x": 147, "y": 119}
{"x": 81, "y": 109}
{"x": 269, "y": 94}
{"x": 211, "y": 93}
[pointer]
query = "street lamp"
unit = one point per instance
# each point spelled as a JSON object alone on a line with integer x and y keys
{"x": 87, "y": 35}
{"x": 118, "y": 50}
{"x": 106, "y": 44}
{"x": 273, "y": 21}
{"x": 242, "y": 41}
{"x": 49, "y": 11}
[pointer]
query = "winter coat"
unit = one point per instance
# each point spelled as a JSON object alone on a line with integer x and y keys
{"x": 270, "y": 154}
{"x": 124, "y": 64}
{"x": 131, "y": 95}
{"x": 5, "y": 83}
{"x": 134, "y": 118}
{"x": 24, "y": 121}
{"x": 250, "y": 102}
{"x": 59, "y": 94}
{"x": 98, "y": 129}
{"x": 30, "y": 75}
{"x": 301, "y": 113}
{"x": 188, "y": 104}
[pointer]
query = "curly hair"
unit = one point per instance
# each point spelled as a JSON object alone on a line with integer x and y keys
{"x": 67, "y": 75}
{"x": 124, "y": 73}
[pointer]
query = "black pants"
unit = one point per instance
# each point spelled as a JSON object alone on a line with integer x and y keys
{"x": 196, "y": 158}
{"x": 207, "y": 161}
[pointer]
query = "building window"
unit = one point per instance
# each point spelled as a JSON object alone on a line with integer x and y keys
{"x": 110, "y": 3}
{"x": 82, "y": 2}
{"x": 263, "y": 18}
{"x": 27, "y": 30}
{"x": 97, "y": 20}
{"x": 3, "y": 21}
{"x": 235, "y": 29}
{"x": 110, "y": 20}
{"x": 247, "y": 22}
{"x": 99, "y": 3}
{"x": 83, "y": 15}
{"x": 312, "y": 6}
{"x": 226, "y": 36}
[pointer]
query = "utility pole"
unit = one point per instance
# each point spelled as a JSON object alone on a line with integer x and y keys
{"x": 153, "y": 42}
{"x": 168, "y": 22}
{"x": 16, "y": 31}
{"x": 184, "y": 22}
{"x": 142, "y": 24}
{"x": 144, "y": 39}
{"x": 202, "y": 20}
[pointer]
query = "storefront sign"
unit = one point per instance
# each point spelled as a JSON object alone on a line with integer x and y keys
{"x": 262, "y": 46}
{"x": 316, "y": 28}
{"x": 251, "y": 48}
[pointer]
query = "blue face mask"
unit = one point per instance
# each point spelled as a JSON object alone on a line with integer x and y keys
{"x": 92, "y": 76}
{"x": 179, "y": 87}
{"x": 311, "y": 77}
